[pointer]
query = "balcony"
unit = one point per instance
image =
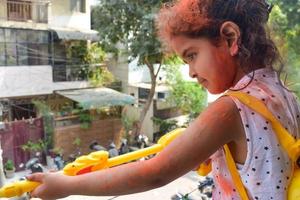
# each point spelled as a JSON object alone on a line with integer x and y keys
{"x": 27, "y": 11}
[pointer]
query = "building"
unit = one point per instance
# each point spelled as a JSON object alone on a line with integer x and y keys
{"x": 42, "y": 43}
{"x": 136, "y": 81}
{"x": 35, "y": 38}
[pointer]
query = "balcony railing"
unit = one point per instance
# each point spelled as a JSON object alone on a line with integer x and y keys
{"x": 34, "y": 11}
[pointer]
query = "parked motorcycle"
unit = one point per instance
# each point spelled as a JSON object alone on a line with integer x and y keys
{"x": 59, "y": 162}
{"x": 34, "y": 164}
{"x": 124, "y": 148}
{"x": 97, "y": 147}
{"x": 112, "y": 150}
{"x": 204, "y": 187}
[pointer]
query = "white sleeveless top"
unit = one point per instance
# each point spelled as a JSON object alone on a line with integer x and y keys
{"x": 267, "y": 169}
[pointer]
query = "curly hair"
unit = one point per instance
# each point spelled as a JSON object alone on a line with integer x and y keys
{"x": 203, "y": 18}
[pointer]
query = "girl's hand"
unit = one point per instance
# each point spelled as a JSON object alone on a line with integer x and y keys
{"x": 53, "y": 185}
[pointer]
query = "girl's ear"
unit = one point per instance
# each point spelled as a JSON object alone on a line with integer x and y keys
{"x": 230, "y": 32}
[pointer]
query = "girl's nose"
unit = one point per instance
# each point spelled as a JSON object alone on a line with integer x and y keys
{"x": 192, "y": 73}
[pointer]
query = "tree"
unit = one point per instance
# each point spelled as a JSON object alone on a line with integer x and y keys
{"x": 189, "y": 96}
{"x": 131, "y": 23}
{"x": 91, "y": 61}
{"x": 285, "y": 22}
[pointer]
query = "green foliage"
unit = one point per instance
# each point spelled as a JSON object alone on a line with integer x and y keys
{"x": 292, "y": 10}
{"x": 85, "y": 117}
{"x": 95, "y": 54}
{"x": 48, "y": 121}
{"x": 32, "y": 147}
{"x": 285, "y": 21}
{"x": 189, "y": 96}
{"x": 130, "y": 23}
{"x": 9, "y": 165}
{"x": 165, "y": 126}
{"x": 90, "y": 60}
{"x": 100, "y": 76}
{"x": 127, "y": 123}
{"x": 42, "y": 107}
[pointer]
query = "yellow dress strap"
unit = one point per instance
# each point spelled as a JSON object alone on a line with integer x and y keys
{"x": 235, "y": 174}
{"x": 286, "y": 140}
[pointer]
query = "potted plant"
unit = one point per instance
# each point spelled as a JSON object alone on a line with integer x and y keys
{"x": 9, "y": 168}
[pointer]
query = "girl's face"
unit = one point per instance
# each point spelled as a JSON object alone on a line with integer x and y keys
{"x": 213, "y": 66}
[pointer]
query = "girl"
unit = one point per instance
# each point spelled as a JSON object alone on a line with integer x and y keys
{"x": 227, "y": 48}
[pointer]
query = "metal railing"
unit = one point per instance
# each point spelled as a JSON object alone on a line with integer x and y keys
{"x": 35, "y": 11}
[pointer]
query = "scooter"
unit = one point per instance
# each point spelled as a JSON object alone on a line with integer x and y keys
{"x": 97, "y": 147}
{"x": 34, "y": 164}
{"x": 124, "y": 148}
{"x": 204, "y": 187}
{"x": 59, "y": 162}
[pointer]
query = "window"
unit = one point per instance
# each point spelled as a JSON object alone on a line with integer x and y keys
{"x": 59, "y": 67}
{"x": 2, "y": 37}
{"x": 161, "y": 95}
{"x": 11, "y": 54}
{"x": 78, "y": 6}
{"x": 143, "y": 93}
{"x": 23, "y": 111}
{"x": 24, "y": 47}
{"x": 23, "y": 55}
{"x": 2, "y": 54}
{"x": 19, "y": 10}
{"x": 2, "y": 47}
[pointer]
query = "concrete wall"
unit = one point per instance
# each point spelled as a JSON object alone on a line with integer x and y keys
{"x": 119, "y": 68}
{"x": 63, "y": 16}
{"x": 60, "y": 15}
{"x": 148, "y": 127}
{"x": 31, "y": 80}
{"x": 3, "y": 10}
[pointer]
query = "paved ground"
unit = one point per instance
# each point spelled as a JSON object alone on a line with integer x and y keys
{"x": 184, "y": 184}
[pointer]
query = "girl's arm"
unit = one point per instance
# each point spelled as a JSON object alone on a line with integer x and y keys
{"x": 219, "y": 124}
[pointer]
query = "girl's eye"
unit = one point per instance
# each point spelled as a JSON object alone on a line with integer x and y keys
{"x": 190, "y": 57}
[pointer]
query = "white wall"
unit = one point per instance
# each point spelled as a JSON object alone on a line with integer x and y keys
{"x": 138, "y": 74}
{"x": 119, "y": 68}
{"x": 148, "y": 126}
{"x": 62, "y": 16}
{"x": 31, "y": 80}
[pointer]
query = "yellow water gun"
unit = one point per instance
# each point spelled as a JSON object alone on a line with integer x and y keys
{"x": 97, "y": 161}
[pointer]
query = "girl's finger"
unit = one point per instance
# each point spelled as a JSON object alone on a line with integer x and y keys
{"x": 38, "y": 177}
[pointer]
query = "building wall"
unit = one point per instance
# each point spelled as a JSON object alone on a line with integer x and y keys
{"x": 148, "y": 127}
{"x": 32, "y": 24}
{"x": 102, "y": 131}
{"x": 31, "y": 80}
{"x": 62, "y": 15}
{"x": 3, "y": 11}
{"x": 119, "y": 68}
